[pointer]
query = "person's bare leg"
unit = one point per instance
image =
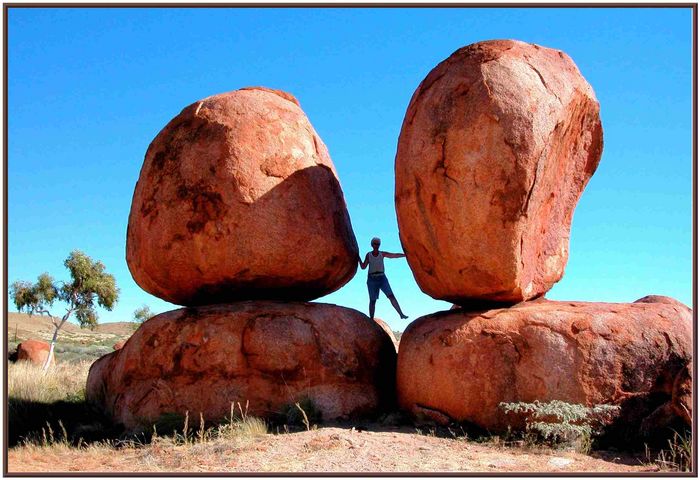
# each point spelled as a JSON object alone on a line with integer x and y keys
{"x": 395, "y": 304}
{"x": 372, "y": 303}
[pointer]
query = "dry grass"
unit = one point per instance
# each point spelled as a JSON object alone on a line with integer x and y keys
{"x": 678, "y": 457}
{"x": 188, "y": 449}
{"x": 324, "y": 450}
{"x": 247, "y": 428}
{"x": 242, "y": 444}
{"x": 29, "y": 383}
{"x": 74, "y": 344}
{"x": 239, "y": 426}
{"x": 55, "y": 430}
{"x": 39, "y": 401}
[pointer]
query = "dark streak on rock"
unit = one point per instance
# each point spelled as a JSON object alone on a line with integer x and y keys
{"x": 440, "y": 166}
{"x": 424, "y": 215}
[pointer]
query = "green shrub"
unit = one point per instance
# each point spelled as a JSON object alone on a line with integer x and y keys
{"x": 559, "y": 423}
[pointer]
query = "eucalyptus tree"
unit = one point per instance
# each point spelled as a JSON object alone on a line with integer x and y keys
{"x": 89, "y": 287}
{"x": 142, "y": 314}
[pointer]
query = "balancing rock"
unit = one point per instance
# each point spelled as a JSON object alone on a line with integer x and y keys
{"x": 497, "y": 145}
{"x": 237, "y": 200}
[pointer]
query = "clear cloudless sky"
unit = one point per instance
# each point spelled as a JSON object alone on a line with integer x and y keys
{"x": 90, "y": 88}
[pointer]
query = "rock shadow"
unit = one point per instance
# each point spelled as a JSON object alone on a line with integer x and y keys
{"x": 310, "y": 199}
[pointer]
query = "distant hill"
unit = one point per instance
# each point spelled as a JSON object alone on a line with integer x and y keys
{"x": 23, "y": 326}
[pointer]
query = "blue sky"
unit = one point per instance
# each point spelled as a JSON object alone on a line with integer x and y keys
{"x": 90, "y": 88}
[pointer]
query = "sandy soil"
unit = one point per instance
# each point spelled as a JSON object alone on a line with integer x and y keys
{"x": 330, "y": 449}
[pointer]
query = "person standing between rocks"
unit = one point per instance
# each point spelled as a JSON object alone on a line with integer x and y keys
{"x": 376, "y": 279}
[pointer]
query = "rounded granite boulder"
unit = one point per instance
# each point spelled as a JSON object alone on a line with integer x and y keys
{"x": 267, "y": 355}
{"x": 237, "y": 200}
{"x": 497, "y": 145}
{"x": 459, "y": 365}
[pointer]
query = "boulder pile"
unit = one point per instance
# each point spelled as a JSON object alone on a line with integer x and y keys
{"x": 497, "y": 145}
{"x": 238, "y": 214}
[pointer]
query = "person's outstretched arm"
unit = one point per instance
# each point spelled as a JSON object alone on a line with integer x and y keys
{"x": 393, "y": 255}
{"x": 364, "y": 264}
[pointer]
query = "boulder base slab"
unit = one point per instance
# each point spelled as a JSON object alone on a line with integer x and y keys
{"x": 266, "y": 354}
{"x": 459, "y": 365}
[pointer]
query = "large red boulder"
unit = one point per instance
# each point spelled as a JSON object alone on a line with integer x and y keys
{"x": 497, "y": 145}
{"x": 459, "y": 365}
{"x": 265, "y": 354}
{"x": 238, "y": 199}
{"x": 35, "y": 351}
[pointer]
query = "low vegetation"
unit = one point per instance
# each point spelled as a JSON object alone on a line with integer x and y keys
{"x": 678, "y": 457}
{"x": 562, "y": 424}
{"x": 27, "y": 383}
{"x": 302, "y": 413}
{"x": 75, "y": 344}
{"x": 89, "y": 287}
{"x": 72, "y": 352}
{"x": 49, "y": 418}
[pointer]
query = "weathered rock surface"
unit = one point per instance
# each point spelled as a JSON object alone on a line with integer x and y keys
{"x": 238, "y": 199}
{"x": 385, "y": 326}
{"x": 497, "y": 145}
{"x": 459, "y": 365}
{"x": 35, "y": 351}
{"x": 660, "y": 299}
{"x": 269, "y": 354}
